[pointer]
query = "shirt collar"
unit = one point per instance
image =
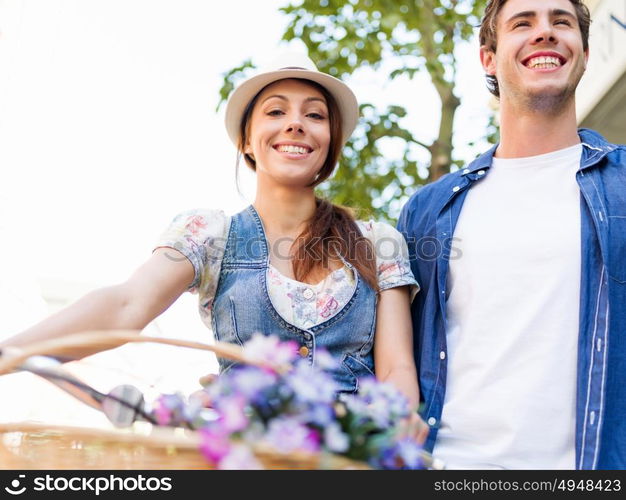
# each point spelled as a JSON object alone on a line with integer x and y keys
{"x": 595, "y": 147}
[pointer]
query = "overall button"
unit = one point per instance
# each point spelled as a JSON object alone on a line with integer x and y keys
{"x": 432, "y": 421}
{"x": 303, "y": 351}
{"x": 308, "y": 293}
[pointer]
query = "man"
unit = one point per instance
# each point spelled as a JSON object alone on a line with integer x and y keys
{"x": 520, "y": 327}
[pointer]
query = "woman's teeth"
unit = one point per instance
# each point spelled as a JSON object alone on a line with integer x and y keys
{"x": 292, "y": 149}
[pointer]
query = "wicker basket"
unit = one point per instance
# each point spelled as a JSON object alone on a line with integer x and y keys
{"x": 37, "y": 446}
{"x": 27, "y": 445}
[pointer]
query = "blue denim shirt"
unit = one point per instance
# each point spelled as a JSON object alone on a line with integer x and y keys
{"x": 428, "y": 221}
{"x": 242, "y": 306}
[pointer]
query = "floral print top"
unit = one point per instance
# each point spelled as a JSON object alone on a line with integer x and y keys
{"x": 201, "y": 236}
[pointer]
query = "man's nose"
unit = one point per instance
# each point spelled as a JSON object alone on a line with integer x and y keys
{"x": 545, "y": 33}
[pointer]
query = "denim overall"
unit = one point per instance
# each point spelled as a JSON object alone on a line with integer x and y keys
{"x": 242, "y": 307}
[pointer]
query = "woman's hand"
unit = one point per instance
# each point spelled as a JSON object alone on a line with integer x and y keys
{"x": 202, "y": 396}
{"x": 414, "y": 427}
{"x": 7, "y": 353}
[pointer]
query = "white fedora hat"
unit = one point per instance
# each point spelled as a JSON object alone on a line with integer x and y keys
{"x": 290, "y": 65}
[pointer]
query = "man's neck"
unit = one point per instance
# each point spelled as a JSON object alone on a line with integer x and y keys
{"x": 526, "y": 133}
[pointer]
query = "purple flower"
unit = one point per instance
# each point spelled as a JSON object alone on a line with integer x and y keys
{"x": 310, "y": 385}
{"x": 324, "y": 360}
{"x": 232, "y": 413}
{"x": 380, "y": 402}
{"x": 403, "y": 454}
{"x": 320, "y": 415}
{"x": 167, "y": 408}
{"x": 334, "y": 439}
{"x": 249, "y": 381}
{"x": 239, "y": 457}
{"x": 286, "y": 435}
{"x": 295, "y": 409}
{"x": 410, "y": 453}
{"x": 269, "y": 350}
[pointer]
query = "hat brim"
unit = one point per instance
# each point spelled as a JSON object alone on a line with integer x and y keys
{"x": 244, "y": 93}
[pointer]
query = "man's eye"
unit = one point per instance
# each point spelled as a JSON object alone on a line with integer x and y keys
{"x": 563, "y": 21}
{"x": 521, "y": 23}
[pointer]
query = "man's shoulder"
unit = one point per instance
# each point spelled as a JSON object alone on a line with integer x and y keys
{"x": 435, "y": 188}
{"x": 444, "y": 186}
{"x": 428, "y": 200}
{"x": 594, "y": 140}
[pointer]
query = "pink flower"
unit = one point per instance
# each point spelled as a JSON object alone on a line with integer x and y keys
{"x": 163, "y": 415}
{"x": 214, "y": 444}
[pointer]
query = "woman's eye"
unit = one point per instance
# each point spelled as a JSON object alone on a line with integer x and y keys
{"x": 275, "y": 112}
{"x": 316, "y": 116}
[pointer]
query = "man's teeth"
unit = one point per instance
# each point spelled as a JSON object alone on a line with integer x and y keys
{"x": 292, "y": 149}
{"x": 544, "y": 62}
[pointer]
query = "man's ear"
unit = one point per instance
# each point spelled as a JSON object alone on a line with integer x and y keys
{"x": 488, "y": 60}
{"x": 586, "y": 57}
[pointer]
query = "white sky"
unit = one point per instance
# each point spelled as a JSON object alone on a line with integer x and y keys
{"x": 108, "y": 128}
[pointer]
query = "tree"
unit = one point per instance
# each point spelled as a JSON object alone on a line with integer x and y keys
{"x": 345, "y": 35}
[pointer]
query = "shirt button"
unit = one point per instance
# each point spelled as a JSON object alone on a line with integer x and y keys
{"x": 466, "y": 171}
{"x": 455, "y": 189}
{"x": 303, "y": 351}
{"x": 442, "y": 355}
{"x": 481, "y": 172}
{"x": 432, "y": 421}
{"x": 308, "y": 293}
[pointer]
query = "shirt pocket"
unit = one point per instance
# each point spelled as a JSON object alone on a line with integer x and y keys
{"x": 617, "y": 248}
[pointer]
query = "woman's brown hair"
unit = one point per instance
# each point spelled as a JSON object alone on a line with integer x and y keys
{"x": 332, "y": 232}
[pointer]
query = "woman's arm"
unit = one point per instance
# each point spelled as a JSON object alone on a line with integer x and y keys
{"x": 151, "y": 289}
{"x": 393, "y": 353}
{"x": 393, "y": 343}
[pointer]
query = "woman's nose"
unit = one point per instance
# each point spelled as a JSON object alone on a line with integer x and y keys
{"x": 295, "y": 126}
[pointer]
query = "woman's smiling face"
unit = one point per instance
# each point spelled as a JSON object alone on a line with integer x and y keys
{"x": 289, "y": 132}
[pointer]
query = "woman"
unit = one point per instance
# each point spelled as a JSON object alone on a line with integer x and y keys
{"x": 291, "y": 264}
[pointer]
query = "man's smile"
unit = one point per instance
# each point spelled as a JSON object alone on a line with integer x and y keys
{"x": 545, "y": 60}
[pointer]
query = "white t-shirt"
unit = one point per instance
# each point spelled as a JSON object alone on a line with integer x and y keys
{"x": 512, "y": 318}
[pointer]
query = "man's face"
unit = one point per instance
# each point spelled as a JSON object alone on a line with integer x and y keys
{"x": 539, "y": 58}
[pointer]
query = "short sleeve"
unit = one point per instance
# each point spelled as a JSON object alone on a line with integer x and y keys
{"x": 392, "y": 256}
{"x": 200, "y": 235}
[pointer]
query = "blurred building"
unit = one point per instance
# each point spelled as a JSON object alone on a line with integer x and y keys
{"x": 601, "y": 95}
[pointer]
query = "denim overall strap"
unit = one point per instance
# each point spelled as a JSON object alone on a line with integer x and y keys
{"x": 243, "y": 306}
